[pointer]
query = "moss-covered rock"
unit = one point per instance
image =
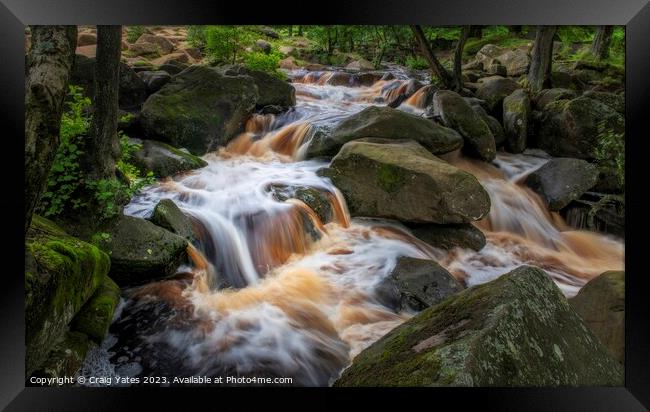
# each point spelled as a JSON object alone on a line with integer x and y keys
{"x": 613, "y": 100}
{"x": 401, "y": 180}
{"x": 272, "y": 91}
{"x": 493, "y": 124}
{"x": 562, "y": 180}
{"x": 516, "y": 114}
{"x": 517, "y": 330}
{"x": 546, "y": 96}
{"x": 387, "y": 123}
{"x": 317, "y": 200}
{"x": 200, "y": 109}
{"x": 164, "y": 160}
{"x": 415, "y": 284}
{"x": 571, "y": 128}
{"x": 168, "y": 216}
{"x": 140, "y": 251}
{"x": 493, "y": 90}
{"x": 601, "y": 304}
{"x": 456, "y": 113}
{"x": 61, "y": 274}
{"x": 447, "y": 237}
{"x": 96, "y": 315}
{"x": 66, "y": 358}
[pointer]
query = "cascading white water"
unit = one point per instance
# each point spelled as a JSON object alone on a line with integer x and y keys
{"x": 301, "y": 301}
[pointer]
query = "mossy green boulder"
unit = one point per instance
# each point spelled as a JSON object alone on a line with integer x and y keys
{"x": 199, "y": 109}
{"x": 456, "y": 113}
{"x": 272, "y": 90}
{"x": 518, "y": 330}
{"x": 167, "y": 215}
{"x": 401, "y": 180}
{"x": 387, "y": 123}
{"x": 516, "y": 115}
{"x": 140, "y": 251}
{"x": 571, "y": 128}
{"x": 163, "y": 159}
{"x": 66, "y": 358}
{"x": 61, "y": 274}
{"x": 447, "y": 237}
{"x": 601, "y": 304}
{"x": 546, "y": 96}
{"x": 96, "y": 315}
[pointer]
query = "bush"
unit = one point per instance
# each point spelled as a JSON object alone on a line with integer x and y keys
{"x": 133, "y": 33}
{"x": 223, "y": 44}
{"x": 416, "y": 63}
{"x": 264, "y": 62}
{"x": 196, "y": 36}
{"x": 67, "y": 186}
{"x": 610, "y": 152}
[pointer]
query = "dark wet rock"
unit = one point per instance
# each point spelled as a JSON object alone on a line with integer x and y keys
{"x": 271, "y": 90}
{"x": 317, "y": 200}
{"x": 493, "y": 124}
{"x": 518, "y": 330}
{"x": 140, "y": 251}
{"x": 447, "y": 237}
{"x": 415, "y": 284}
{"x": 173, "y": 67}
{"x": 562, "y": 180}
{"x": 597, "y": 212}
{"x": 601, "y": 305}
{"x": 263, "y": 46}
{"x": 401, "y": 180}
{"x": 387, "y": 123}
{"x": 66, "y": 358}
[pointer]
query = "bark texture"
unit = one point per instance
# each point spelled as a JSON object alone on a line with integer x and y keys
{"x": 445, "y": 77}
{"x": 49, "y": 64}
{"x": 539, "y": 74}
{"x": 602, "y": 40}
{"x": 103, "y": 149}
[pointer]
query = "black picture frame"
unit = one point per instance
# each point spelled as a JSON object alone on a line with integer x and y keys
{"x": 634, "y": 14}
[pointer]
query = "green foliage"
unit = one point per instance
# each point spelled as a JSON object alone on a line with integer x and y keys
{"x": 223, "y": 44}
{"x": 65, "y": 175}
{"x": 196, "y": 36}
{"x": 610, "y": 152}
{"x": 416, "y": 63}
{"x": 133, "y": 33}
{"x": 68, "y": 187}
{"x": 264, "y": 62}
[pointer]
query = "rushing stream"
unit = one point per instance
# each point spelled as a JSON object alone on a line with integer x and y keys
{"x": 300, "y": 301}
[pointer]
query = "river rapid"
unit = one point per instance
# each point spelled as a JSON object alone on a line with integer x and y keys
{"x": 272, "y": 291}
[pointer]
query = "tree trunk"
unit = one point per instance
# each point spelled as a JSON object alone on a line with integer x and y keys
{"x": 602, "y": 40}
{"x": 434, "y": 64}
{"x": 299, "y": 30}
{"x": 103, "y": 149}
{"x": 515, "y": 30}
{"x": 290, "y": 31}
{"x": 50, "y": 62}
{"x": 539, "y": 74}
{"x": 476, "y": 32}
{"x": 458, "y": 57}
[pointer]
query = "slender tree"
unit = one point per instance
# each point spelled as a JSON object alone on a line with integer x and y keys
{"x": 445, "y": 77}
{"x": 476, "y": 32}
{"x": 299, "y": 30}
{"x": 539, "y": 74}
{"x": 49, "y": 65}
{"x": 290, "y": 30}
{"x": 458, "y": 56}
{"x": 103, "y": 149}
{"x": 602, "y": 40}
